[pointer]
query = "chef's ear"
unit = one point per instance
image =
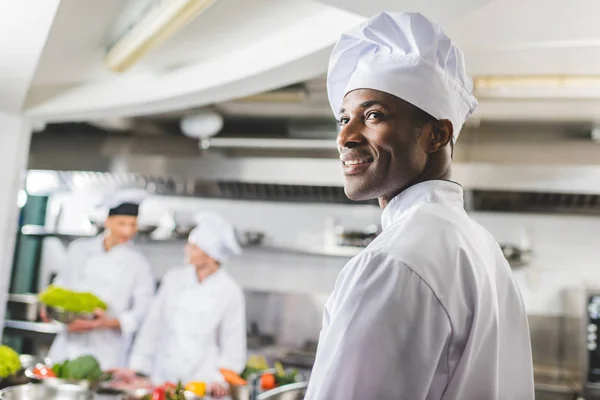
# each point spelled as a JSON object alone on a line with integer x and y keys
{"x": 441, "y": 135}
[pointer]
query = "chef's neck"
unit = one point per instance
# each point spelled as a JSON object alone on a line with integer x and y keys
{"x": 206, "y": 270}
{"x": 110, "y": 242}
{"x": 440, "y": 172}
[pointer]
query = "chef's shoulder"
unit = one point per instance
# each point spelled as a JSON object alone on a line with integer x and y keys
{"x": 435, "y": 241}
{"x": 232, "y": 285}
{"x": 83, "y": 245}
{"x": 176, "y": 274}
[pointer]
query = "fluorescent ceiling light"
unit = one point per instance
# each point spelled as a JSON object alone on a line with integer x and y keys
{"x": 277, "y": 96}
{"x": 538, "y": 87}
{"x": 159, "y": 24}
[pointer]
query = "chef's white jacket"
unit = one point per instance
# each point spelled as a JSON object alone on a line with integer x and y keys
{"x": 121, "y": 277}
{"x": 193, "y": 329}
{"x": 429, "y": 310}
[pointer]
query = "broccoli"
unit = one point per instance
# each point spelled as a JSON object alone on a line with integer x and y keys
{"x": 81, "y": 368}
{"x": 10, "y": 363}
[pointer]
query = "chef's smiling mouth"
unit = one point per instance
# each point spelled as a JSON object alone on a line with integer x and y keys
{"x": 348, "y": 161}
{"x": 358, "y": 161}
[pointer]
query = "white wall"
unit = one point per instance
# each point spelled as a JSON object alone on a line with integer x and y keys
{"x": 566, "y": 252}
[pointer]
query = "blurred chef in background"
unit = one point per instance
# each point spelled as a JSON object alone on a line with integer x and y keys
{"x": 197, "y": 323}
{"x": 110, "y": 267}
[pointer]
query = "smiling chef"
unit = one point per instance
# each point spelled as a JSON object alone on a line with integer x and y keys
{"x": 429, "y": 310}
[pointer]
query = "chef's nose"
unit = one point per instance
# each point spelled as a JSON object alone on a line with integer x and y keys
{"x": 350, "y": 136}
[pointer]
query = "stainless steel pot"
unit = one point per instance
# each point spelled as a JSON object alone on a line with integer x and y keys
{"x": 45, "y": 392}
{"x": 240, "y": 392}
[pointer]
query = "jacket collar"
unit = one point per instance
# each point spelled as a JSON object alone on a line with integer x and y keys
{"x": 437, "y": 191}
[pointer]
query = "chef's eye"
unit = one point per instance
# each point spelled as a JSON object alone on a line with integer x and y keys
{"x": 374, "y": 115}
{"x": 343, "y": 121}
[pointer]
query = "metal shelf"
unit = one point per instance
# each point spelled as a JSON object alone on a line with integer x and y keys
{"x": 328, "y": 251}
{"x": 45, "y": 328}
{"x": 40, "y": 231}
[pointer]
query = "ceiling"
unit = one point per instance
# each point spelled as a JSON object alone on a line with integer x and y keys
{"x": 266, "y": 44}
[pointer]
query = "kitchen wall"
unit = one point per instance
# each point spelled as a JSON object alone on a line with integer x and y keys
{"x": 565, "y": 248}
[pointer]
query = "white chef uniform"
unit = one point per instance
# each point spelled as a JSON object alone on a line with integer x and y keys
{"x": 430, "y": 309}
{"x": 122, "y": 277}
{"x": 195, "y": 328}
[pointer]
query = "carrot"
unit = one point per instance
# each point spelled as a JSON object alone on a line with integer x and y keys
{"x": 232, "y": 378}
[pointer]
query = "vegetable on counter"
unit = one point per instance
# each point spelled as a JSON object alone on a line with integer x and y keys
{"x": 255, "y": 365}
{"x": 198, "y": 388}
{"x": 159, "y": 394}
{"x": 283, "y": 377}
{"x": 9, "y": 362}
{"x": 168, "y": 391}
{"x": 68, "y": 300}
{"x": 267, "y": 382}
{"x": 232, "y": 378}
{"x": 81, "y": 368}
{"x": 44, "y": 372}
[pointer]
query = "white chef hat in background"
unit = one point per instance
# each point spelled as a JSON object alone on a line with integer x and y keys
{"x": 124, "y": 201}
{"x": 215, "y": 236}
{"x": 408, "y": 56}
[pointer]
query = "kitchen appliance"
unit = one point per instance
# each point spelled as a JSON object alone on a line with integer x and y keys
{"x": 23, "y": 307}
{"x": 583, "y": 303}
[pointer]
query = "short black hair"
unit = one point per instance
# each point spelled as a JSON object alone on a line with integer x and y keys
{"x": 421, "y": 117}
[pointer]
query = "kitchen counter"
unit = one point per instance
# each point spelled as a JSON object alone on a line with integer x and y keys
{"x": 116, "y": 397}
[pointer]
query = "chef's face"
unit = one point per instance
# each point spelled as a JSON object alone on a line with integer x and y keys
{"x": 385, "y": 144}
{"x": 203, "y": 263}
{"x": 121, "y": 228}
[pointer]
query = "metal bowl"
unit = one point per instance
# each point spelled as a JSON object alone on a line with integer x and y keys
{"x": 66, "y": 317}
{"x": 293, "y": 391}
{"x": 39, "y": 392}
{"x": 30, "y": 361}
{"x": 56, "y": 382}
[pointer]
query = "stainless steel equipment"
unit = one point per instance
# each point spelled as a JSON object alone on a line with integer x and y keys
{"x": 293, "y": 391}
{"x": 45, "y": 392}
{"x": 30, "y": 361}
{"x": 23, "y": 307}
{"x": 66, "y": 317}
{"x": 583, "y": 303}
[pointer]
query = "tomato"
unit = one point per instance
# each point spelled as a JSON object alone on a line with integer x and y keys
{"x": 170, "y": 386}
{"x": 267, "y": 382}
{"x": 159, "y": 394}
{"x": 43, "y": 372}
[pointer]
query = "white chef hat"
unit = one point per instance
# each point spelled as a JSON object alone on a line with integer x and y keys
{"x": 215, "y": 236}
{"x": 408, "y": 56}
{"x": 124, "y": 201}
